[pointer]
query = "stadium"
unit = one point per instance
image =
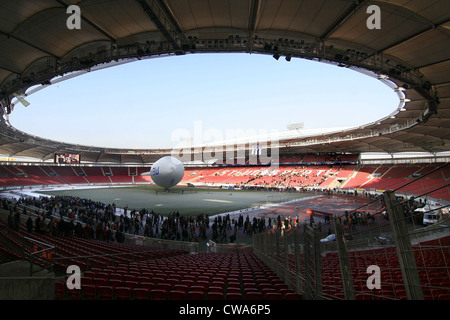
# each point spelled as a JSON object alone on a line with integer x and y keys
{"x": 353, "y": 214}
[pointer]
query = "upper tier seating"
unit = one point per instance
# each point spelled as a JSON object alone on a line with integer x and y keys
{"x": 366, "y": 177}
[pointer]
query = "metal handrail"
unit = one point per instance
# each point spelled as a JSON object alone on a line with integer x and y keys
{"x": 34, "y": 255}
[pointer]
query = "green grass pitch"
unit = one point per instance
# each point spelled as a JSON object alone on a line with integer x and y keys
{"x": 185, "y": 200}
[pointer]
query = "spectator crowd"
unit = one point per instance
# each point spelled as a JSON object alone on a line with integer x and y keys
{"x": 73, "y": 216}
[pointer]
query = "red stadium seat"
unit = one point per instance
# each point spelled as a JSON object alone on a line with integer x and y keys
{"x": 87, "y": 280}
{"x": 216, "y": 289}
{"x": 89, "y": 292}
{"x": 196, "y": 295}
{"x": 197, "y": 288}
{"x": 292, "y": 296}
{"x": 130, "y": 284}
{"x": 362, "y": 296}
{"x": 254, "y": 295}
{"x": 273, "y": 296}
{"x": 147, "y": 285}
{"x": 181, "y": 287}
{"x": 105, "y": 292}
{"x": 75, "y": 294}
{"x": 233, "y": 289}
{"x": 102, "y": 275}
{"x": 123, "y": 293}
{"x": 115, "y": 283}
{"x": 60, "y": 290}
{"x": 100, "y": 281}
{"x": 234, "y": 296}
{"x": 141, "y": 294}
{"x": 158, "y": 294}
{"x": 212, "y": 295}
{"x": 177, "y": 295}
{"x": 164, "y": 286}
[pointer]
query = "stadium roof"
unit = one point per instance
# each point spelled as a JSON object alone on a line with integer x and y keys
{"x": 410, "y": 51}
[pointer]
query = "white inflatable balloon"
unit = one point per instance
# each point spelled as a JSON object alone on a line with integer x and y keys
{"x": 167, "y": 172}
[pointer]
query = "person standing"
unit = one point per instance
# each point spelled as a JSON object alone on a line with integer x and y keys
{"x": 16, "y": 221}
{"x": 29, "y": 225}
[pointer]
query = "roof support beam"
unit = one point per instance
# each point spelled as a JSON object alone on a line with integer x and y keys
{"x": 440, "y": 84}
{"x": 254, "y": 12}
{"x": 10, "y": 70}
{"x": 432, "y": 64}
{"x": 169, "y": 14}
{"x": 401, "y": 41}
{"x": 162, "y": 20}
{"x": 344, "y": 17}
{"x": 253, "y": 16}
{"x": 28, "y": 44}
{"x": 92, "y": 24}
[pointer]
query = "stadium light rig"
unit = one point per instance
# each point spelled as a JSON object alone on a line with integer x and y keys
{"x": 21, "y": 99}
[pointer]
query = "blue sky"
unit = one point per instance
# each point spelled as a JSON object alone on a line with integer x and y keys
{"x": 142, "y": 104}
